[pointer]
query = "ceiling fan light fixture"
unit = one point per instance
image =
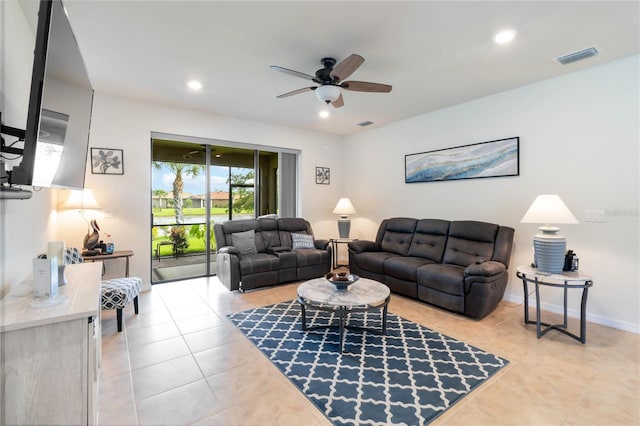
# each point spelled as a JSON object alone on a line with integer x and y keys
{"x": 327, "y": 93}
{"x": 330, "y": 80}
{"x": 194, "y": 85}
{"x": 504, "y": 37}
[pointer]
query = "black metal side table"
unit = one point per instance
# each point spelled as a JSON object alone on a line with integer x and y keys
{"x": 566, "y": 281}
{"x": 334, "y": 246}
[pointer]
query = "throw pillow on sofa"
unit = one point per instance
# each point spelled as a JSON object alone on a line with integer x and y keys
{"x": 245, "y": 242}
{"x": 302, "y": 241}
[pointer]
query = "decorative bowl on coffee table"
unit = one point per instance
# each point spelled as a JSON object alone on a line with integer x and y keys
{"x": 341, "y": 280}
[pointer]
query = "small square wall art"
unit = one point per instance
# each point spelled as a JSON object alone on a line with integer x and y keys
{"x": 323, "y": 175}
{"x": 107, "y": 161}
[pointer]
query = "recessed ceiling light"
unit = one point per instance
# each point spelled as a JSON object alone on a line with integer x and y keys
{"x": 324, "y": 114}
{"x": 194, "y": 85}
{"x": 504, "y": 37}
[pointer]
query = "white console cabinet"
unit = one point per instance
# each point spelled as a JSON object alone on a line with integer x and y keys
{"x": 50, "y": 356}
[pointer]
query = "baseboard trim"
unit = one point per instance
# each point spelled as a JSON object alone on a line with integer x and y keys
{"x": 574, "y": 313}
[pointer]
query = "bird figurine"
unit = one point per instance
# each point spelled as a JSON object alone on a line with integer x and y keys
{"x": 92, "y": 238}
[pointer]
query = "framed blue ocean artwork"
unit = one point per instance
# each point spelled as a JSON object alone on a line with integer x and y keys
{"x": 479, "y": 160}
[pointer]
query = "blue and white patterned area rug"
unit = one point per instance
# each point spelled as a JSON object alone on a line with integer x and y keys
{"x": 409, "y": 376}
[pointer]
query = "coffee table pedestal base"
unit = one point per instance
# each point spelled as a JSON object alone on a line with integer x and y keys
{"x": 342, "y": 312}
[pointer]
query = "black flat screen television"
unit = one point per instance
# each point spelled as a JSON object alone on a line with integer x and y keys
{"x": 60, "y": 104}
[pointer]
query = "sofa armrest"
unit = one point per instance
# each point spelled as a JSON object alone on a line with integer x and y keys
{"x": 360, "y": 246}
{"x": 484, "y": 269}
{"x": 228, "y": 267}
{"x": 229, "y": 250}
{"x": 321, "y": 244}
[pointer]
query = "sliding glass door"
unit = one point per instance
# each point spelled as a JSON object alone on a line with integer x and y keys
{"x": 179, "y": 239}
{"x": 195, "y": 185}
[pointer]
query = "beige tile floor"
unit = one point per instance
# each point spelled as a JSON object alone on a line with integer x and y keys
{"x": 181, "y": 362}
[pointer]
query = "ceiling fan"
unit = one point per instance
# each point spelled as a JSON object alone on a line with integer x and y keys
{"x": 196, "y": 151}
{"x": 193, "y": 150}
{"x": 330, "y": 79}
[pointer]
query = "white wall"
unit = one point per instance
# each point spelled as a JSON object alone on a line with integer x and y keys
{"x": 579, "y": 137}
{"x": 125, "y": 124}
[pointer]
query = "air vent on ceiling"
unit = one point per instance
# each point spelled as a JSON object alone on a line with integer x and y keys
{"x": 577, "y": 56}
{"x": 365, "y": 123}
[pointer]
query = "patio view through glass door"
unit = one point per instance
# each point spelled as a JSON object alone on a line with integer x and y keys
{"x": 194, "y": 186}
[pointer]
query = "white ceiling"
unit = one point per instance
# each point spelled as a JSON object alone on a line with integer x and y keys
{"x": 434, "y": 53}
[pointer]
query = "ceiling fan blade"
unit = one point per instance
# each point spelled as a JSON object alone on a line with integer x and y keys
{"x": 365, "y": 86}
{"x": 338, "y": 102}
{"x": 295, "y": 92}
{"x": 292, "y": 72}
{"x": 345, "y": 68}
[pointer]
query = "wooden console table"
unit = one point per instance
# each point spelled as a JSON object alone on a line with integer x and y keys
{"x": 115, "y": 255}
{"x": 51, "y": 354}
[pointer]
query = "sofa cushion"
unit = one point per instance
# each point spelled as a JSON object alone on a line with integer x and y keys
{"x": 258, "y": 262}
{"x": 404, "y": 268}
{"x": 287, "y": 260}
{"x": 269, "y": 232}
{"x": 233, "y": 226}
{"x": 463, "y": 252}
{"x": 289, "y": 225}
{"x": 310, "y": 257}
{"x": 372, "y": 261}
{"x": 245, "y": 242}
{"x": 223, "y": 231}
{"x": 397, "y": 235}
{"x": 473, "y": 230}
{"x": 404, "y": 225}
{"x": 301, "y": 241}
{"x": 444, "y": 278}
{"x": 444, "y": 300}
{"x": 430, "y": 239}
{"x": 469, "y": 241}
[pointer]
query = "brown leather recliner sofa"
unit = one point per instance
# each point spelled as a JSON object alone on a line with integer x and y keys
{"x": 261, "y": 252}
{"x": 460, "y": 266}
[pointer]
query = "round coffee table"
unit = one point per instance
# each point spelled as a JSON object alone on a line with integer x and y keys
{"x": 363, "y": 295}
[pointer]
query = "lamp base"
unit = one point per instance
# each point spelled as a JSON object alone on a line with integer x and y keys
{"x": 344, "y": 226}
{"x": 549, "y": 250}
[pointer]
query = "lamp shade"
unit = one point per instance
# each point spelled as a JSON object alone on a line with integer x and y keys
{"x": 344, "y": 207}
{"x": 548, "y": 209}
{"x": 83, "y": 199}
{"x": 327, "y": 93}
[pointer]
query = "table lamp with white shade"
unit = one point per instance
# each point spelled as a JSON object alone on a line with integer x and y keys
{"x": 548, "y": 245}
{"x": 344, "y": 208}
{"x": 83, "y": 200}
